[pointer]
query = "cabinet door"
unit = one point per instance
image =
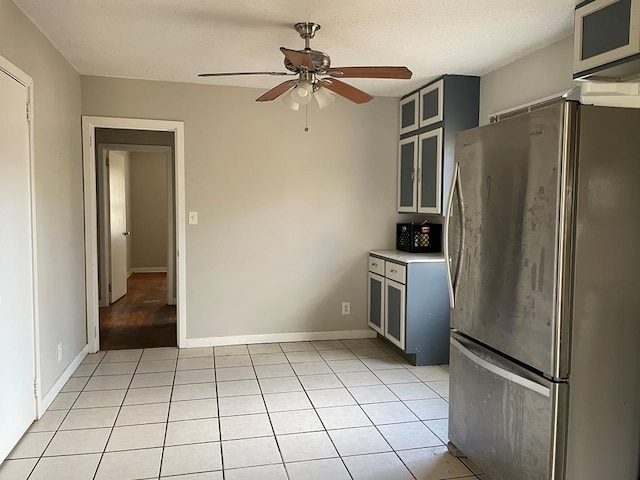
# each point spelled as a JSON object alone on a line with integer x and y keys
{"x": 431, "y": 102}
{"x": 394, "y": 312}
{"x": 605, "y": 31}
{"x": 409, "y": 114}
{"x": 430, "y": 172}
{"x": 376, "y": 302}
{"x": 407, "y": 163}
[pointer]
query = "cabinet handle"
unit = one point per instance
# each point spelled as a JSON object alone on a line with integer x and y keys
{"x": 374, "y": 264}
{"x": 393, "y": 271}
{"x": 413, "y": 175}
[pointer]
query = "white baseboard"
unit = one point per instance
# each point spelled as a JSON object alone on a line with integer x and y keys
{"x": 277, "y": 337}
{"x": 66, "y": 375}
{"x": 149, "y": 270}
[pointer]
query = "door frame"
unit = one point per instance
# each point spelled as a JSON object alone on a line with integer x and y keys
{"x": 89, "y": 125}
{"x": 21, "y": 77}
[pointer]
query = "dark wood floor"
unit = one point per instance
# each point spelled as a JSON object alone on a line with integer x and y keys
{"x": 140, "y": 319}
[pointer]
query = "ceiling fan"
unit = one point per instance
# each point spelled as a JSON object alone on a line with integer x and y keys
{"x": 316, "y": 75}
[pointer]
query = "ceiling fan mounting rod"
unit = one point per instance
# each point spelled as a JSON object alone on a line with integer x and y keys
{"x": 307, "y": 30}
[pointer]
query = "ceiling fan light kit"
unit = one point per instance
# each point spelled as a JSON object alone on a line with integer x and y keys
{"x": 290, "y": 102}
{"x": 316, "y": 78}
{"x": 324, "y": 97}
{"x": 303, "y": 92}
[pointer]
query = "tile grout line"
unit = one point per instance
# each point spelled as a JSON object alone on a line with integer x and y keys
{"x": 315, "y": 409}
{"x": 215, "y": 383}
{"x": 166, "y": 426}
{"x": 373, "y": 423}
{"x": 104, "y": 450}
{"x": 340, "y": 456}
{"x": 275, "y": 437}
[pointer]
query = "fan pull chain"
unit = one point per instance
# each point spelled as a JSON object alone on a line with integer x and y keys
{"x": 306, "y": 118}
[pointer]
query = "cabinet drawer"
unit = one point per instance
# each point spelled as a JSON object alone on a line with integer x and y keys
{"x": 376, "y": 265}
{"x": 396, "y": 272}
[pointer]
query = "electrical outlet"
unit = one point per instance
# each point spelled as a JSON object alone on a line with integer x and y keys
{"x": 346, "y": 308}
{"x": 59, "y": 352}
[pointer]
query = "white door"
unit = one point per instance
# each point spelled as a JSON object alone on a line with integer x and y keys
{"x": 118, "y": 224}
{"x": 17, "y": 347}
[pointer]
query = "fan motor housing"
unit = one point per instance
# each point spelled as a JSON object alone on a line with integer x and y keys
{"x": 321, "y": 61}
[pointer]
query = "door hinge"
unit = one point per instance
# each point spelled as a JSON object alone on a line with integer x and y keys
{"x": 36, "y": 387}
{"x": 28, "y": 111}
{"x": 106, "y": 159}
{"x": 109, "y": 288}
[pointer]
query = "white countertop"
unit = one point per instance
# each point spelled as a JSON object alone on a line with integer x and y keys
{"x": 406, "y": 257}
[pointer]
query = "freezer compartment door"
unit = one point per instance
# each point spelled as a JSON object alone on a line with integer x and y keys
{"x": 501, "y": 416}
{"x": 503, "y": 231}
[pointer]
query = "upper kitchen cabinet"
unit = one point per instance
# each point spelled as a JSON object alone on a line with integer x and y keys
{"x": 431, "y": 104}
{"x": 439, "y": 111}
{"x": 607, "y": 40}
{"x": 409, "y": 113}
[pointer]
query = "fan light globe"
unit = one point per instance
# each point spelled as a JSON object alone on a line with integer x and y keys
{"x": 290, "y": 102}
{"x": 302, "y": 94}
{"x": 324, "y": 97}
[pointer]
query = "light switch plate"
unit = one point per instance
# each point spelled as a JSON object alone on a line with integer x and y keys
{"x": 193, "y": 218}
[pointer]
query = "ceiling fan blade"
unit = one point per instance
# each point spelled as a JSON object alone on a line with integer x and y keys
{"x": 298, "y": 59}
{"x": 276, "y": 91}
{"x": 243, "y": 73}
{"x": 370, "y": 72}
{"x": 347, "y": 91}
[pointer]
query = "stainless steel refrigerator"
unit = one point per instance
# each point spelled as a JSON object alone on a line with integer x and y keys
{"x": 542, "y": 234}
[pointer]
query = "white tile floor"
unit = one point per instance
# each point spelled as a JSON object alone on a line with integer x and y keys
{"x": 327, "y": 410}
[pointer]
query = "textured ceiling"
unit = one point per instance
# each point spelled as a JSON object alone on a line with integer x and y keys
{"x": 174, "y": 40}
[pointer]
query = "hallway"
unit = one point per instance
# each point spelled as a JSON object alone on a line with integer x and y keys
{"x": 140, "y": 319}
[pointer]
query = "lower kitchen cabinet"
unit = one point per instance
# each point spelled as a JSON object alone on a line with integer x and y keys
{"x": 409, "y": 303}
{"x": 376, "y": 302}
{"x": 394, "y": 312}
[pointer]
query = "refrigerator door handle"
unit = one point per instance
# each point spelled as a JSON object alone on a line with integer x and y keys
{"x": 451, "y": 282}
{"x": 499, "y": 371}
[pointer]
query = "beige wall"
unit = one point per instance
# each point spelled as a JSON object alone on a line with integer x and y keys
{"x": 149, "y": 212}
{"x": 543, "y": 73}
{"x": 286, "y": 217}
{"x": 58, "y": 178}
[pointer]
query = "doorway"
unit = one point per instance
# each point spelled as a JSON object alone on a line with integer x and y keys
{"x": 98, "y": 136}
{"x": 136, "y": 273}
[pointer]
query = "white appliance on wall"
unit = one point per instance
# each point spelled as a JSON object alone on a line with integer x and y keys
{"x": 542, "y": 233}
